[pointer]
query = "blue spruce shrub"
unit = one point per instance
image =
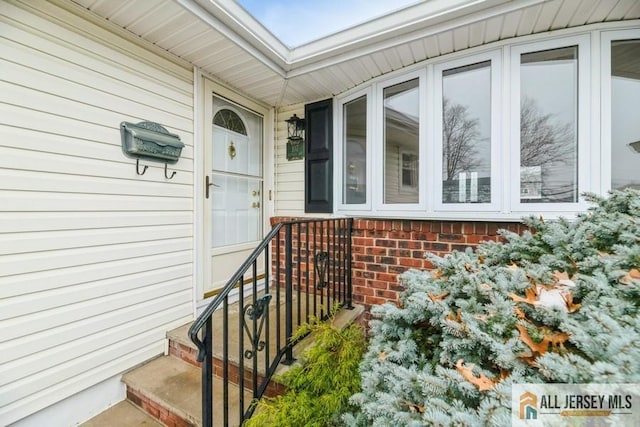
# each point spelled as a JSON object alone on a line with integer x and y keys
{"x": 558, "y": 304}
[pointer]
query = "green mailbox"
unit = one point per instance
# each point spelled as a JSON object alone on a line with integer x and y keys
{"x": 150, "y": 141}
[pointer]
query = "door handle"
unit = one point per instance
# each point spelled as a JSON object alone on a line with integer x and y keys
{"x": 207, "y": 184}
{"x": 255, "y": 205}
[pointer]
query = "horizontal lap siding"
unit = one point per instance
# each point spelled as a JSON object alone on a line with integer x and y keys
{"x": 95, "y": 260}
{"x": 289, "y": 174}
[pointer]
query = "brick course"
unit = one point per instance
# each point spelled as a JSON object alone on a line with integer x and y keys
{"x": 156, "y": 410}
{"x": 382, "y": 249}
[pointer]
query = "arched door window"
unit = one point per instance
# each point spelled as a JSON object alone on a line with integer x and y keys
{"x": 229, "y": 119}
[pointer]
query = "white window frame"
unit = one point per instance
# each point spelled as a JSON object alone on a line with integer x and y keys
{"x": 338, "y": 189}
{"x": 495, "y": 56}
{"x": 584, "y": 130}
{"x": 378, "y": 146}
{"x": 605, "y": 100}
{"x": 594, "y": 125}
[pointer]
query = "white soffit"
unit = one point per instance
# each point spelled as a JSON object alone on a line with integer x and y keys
{"x": 221, "y": 38}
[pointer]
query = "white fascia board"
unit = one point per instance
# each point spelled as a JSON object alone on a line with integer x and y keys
{"x": 243, "y": 30}
{"x": 421, "y": 27}
{"x": 419, "y": 15}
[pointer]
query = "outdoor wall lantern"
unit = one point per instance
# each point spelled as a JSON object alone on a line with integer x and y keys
{"x": 150, "y": 141}
{"x": 295, "y": 136}
{"x": 635, "y": 146}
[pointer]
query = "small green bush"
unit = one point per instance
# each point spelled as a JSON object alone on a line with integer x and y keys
{"x": 318, "y": 388}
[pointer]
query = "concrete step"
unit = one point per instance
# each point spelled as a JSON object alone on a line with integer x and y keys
{"x": 170, "y": 390}
{"x": 123, "y": 414}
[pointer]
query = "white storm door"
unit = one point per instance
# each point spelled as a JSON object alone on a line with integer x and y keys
{"x": 234, "y": 166}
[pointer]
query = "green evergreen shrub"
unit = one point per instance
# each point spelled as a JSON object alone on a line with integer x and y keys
{"x": 319, "y": 387}
{"x": 558, "y": 304}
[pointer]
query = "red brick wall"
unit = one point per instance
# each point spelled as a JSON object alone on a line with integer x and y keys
{"x": 383, "y": 249}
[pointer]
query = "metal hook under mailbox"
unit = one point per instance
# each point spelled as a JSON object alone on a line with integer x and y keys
{"x": 144, "y": 168}
{"x": 165, "y": 172}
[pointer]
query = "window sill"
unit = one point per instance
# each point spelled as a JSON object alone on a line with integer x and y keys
{"x": 457, "y": 216}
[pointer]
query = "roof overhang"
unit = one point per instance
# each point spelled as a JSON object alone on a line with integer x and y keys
{"x": 225, "y": 41}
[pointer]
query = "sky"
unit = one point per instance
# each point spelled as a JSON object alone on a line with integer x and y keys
{"x": 296, "y": 22}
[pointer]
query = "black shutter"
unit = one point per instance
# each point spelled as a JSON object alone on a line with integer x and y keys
{"x": 318, "y": 163}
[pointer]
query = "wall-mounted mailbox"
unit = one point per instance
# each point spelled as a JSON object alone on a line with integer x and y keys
{"x": 150, "y": 141}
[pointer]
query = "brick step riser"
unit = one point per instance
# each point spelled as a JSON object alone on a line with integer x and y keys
{"x": 156, "y": 410}
{"x": 189, "y": 355}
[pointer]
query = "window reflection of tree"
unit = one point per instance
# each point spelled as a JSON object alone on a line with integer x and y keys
{"x": 549, "y": 123}
{"x": 543, "y": 141}
{"x": 466, "y": 133}
{"x": 459, "y": 138}
{"x": 548, "y": 144}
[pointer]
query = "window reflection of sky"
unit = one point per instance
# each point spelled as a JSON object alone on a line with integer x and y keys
{"x": 545, "y": 81}
{"x": 407, "y": 103}
{"x": 625, "y": 128}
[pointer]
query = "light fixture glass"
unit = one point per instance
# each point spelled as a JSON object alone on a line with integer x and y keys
{"x": 295, "y": 136}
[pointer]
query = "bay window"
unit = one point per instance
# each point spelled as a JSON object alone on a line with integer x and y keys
{"x": 496, "y": 133}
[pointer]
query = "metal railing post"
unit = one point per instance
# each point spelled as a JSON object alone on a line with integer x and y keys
{"x": 207, "y": 378}
{"x": 288, "y": 255}
{"x": 349, "y": 296}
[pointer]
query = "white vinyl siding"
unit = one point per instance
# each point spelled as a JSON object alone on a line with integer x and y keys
{"x": 96, "y": 262}
{"x": 289, "y": 174}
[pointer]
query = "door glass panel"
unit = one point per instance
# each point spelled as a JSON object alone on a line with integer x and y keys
{"x": 466, "y": 134}
{"x": 625, "y": 123}
{"x": 401, "y": 140}
{"x": 354, "y": 169}
{"x": 236, "y": 211}
{"x": 549, "y": 126}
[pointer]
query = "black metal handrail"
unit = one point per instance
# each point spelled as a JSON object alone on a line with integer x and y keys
{"x": 307, "y": 260}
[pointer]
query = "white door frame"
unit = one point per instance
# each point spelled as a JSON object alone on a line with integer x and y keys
{"x": 204, "y": 87}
